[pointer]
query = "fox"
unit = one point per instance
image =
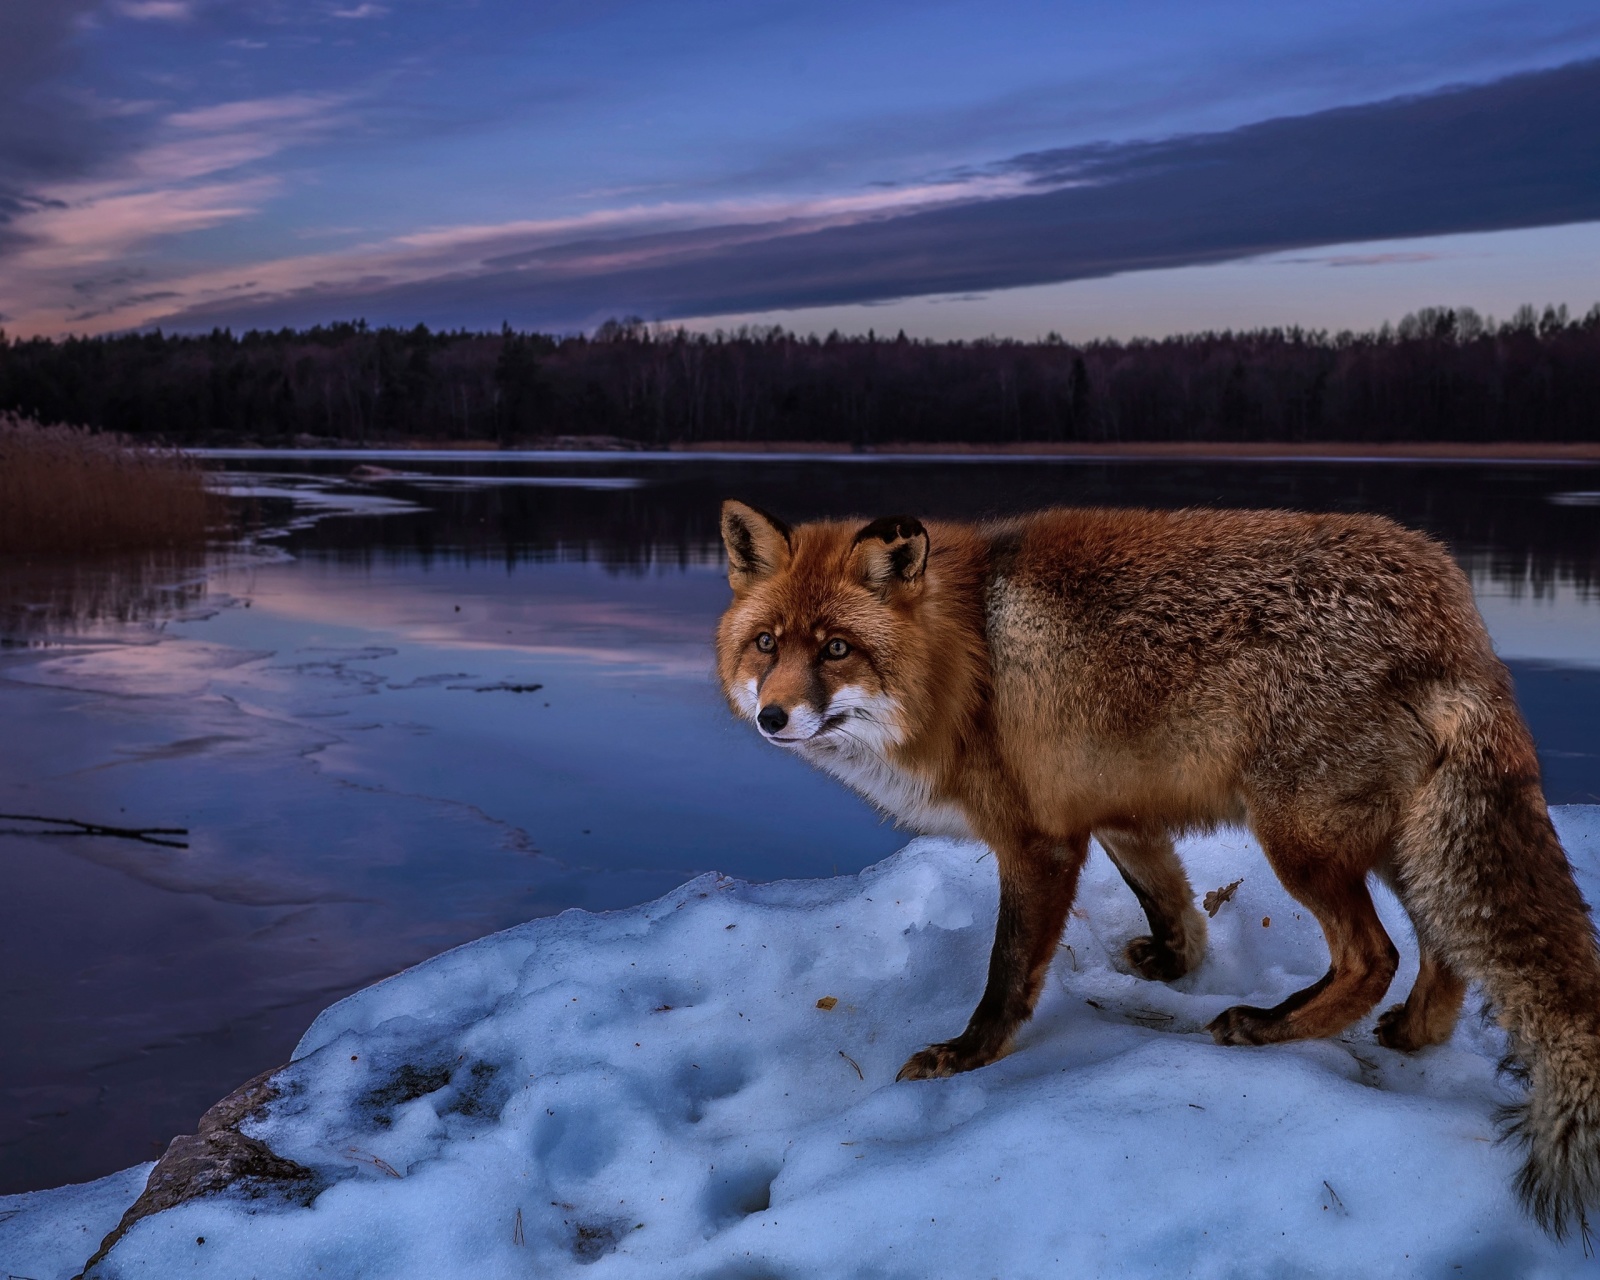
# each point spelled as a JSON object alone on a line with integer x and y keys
{"x": 1325, "y": 681}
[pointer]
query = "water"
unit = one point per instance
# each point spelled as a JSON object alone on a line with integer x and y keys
{"x": 347, "y": 723}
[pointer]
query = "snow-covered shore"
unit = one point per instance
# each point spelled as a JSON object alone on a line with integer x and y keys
{"x": 659, "y": 1090}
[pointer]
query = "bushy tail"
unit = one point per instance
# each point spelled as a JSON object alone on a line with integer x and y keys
{"x": 1491, "y": 891}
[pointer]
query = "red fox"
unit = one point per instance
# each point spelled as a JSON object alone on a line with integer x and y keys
{"x": 1325, "y": 680}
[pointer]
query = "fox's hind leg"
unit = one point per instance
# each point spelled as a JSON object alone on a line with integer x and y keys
{"x": 1176, "y": 942}
{"x": 1038, "y": 878}
{"x": 1429, "y": 1013}
{"x": 1333, "y": 885}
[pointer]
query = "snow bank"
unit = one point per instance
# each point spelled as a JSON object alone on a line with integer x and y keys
{"x": 658, "y": 1090}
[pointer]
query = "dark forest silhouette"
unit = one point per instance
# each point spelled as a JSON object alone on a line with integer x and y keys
{"x": 1439, "y": 375}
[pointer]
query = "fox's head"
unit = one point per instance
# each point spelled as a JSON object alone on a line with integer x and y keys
{"x": 816, "y": 644}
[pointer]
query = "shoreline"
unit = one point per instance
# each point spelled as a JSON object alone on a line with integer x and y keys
{"x": 593, "y": 448}
{"x": 1207, "y": 449}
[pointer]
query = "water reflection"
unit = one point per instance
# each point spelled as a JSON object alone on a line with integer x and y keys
{"x": 1512, "y": 524}
{"x": 44, "y": 598}
{"x": 480, "y": 692}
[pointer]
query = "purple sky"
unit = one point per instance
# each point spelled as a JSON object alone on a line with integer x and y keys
{"x": 954, "y": 169}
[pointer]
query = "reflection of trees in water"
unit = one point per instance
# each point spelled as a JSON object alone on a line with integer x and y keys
{"x": 1500, "y": 521}
{"x": 48, "y": 596}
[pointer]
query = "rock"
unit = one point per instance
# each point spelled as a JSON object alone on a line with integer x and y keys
{"x": 218, "y": 1158}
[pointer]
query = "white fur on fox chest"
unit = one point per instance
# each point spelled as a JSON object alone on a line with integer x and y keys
{"x": 902, "y": 795}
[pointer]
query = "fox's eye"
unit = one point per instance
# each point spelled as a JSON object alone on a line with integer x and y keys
{"x": 765, "y": 642}
{"x": 836, "y": 648}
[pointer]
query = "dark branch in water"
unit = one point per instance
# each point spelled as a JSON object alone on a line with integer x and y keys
{"x": 74, "y": 827}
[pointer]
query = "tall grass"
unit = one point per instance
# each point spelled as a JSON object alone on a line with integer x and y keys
{"x": 65, "y": 489}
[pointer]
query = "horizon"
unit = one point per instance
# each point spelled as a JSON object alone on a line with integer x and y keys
{"x": 943, "y": 170}
{"x": 1465, "y": 324}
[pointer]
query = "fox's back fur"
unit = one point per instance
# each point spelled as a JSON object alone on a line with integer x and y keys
{"x": 1324, "y": 679}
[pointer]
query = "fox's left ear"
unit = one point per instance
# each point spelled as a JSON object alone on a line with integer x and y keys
{"x": 758, "y": 544}
{"x": 891, "y": 553}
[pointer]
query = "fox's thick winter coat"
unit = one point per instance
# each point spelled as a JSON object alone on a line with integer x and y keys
{"x": 1325, "y": 680}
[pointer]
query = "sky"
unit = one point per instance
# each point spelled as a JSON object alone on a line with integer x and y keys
{"x": 950, "y": 169}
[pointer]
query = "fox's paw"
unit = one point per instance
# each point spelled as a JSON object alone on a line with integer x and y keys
{"x": 1154, "y": 960}
{"x": 1394, "y": 1030}
{"x": 1400, "y": 1028}
{"x": 1244, "y": 1024}
{"x": 951, "y": 1057}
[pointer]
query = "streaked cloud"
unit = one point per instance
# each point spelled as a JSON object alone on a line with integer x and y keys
{"x": 190, "y": 175}
{"x": 291, "y": 107}
{"x": 102, "y": 224}
{"x": 229, "y": 135}
{"x": 156, "y": 10}
{"x": 1363, "y": 259}
{"x": 1520, "y": 152}
{"x": 99, "y": 226}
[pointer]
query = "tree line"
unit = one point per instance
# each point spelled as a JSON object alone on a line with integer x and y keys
{"x": 1441, "y": 374}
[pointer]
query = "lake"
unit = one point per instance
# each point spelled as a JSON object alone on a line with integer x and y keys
{"x": 415, "y": 708}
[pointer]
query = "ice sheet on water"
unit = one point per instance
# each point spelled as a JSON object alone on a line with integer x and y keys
{"x": 446, "y": 481}
{"x": 659, "y": 1088}
{"x": 322, "y": 495}
{"x": 174, "y": 669}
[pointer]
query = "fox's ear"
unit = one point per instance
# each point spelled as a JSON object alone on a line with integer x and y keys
{"x": 758, "y": 544}
{"x": 891, "y": 553}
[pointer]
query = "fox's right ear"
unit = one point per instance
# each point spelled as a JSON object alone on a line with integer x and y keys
{"x": 891, "y": 553}
{"x": 758, "y": 544}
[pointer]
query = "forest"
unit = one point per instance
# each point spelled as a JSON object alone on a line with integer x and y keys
{"x": 1440, "y": 374}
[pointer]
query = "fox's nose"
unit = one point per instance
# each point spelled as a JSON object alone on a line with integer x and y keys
{"x": 772, "y": 717}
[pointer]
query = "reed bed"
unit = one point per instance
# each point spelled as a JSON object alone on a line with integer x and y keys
{"x": 68, "y": 489}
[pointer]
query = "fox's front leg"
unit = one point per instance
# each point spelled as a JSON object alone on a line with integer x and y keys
{"x": 1037, "y": 880}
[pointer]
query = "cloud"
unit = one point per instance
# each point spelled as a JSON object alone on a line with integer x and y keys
{"x": 183, "y": 179}
{"x": 227, "y": 135}
{"x": 45, "y": 132}
{"x": 102, "y": 222}
{"x": 156, "y": 10}
{"x": 362, "y": 11}
{"x": 246, "y": 112}
{"x": 100, "y": 227}
{"x": 1361, "y": 259}
{"x": 1520, "y": 152}
{"x": 132, "y": 300}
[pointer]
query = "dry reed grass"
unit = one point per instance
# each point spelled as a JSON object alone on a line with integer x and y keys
{"x": 65, "y": 489}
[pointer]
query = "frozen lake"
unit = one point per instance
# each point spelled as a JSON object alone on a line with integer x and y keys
{"x": 442, "y": 702}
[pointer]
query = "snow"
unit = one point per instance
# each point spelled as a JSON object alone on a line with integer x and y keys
{"x": 657, "y": 1090}
{"x": 51, "y": 1233}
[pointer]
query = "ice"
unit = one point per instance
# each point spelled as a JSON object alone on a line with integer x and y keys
{"x": 314, "y": 496}
{"x": 657, "y": 1089}
{"x": 446, "y": 481}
